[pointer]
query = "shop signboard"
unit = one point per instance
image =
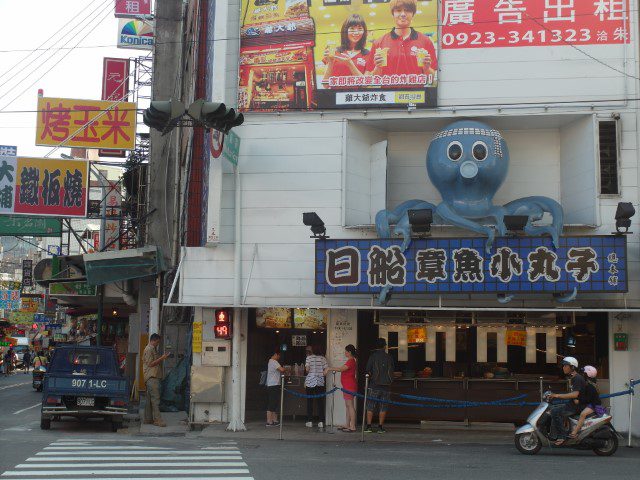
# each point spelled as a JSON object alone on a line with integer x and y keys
{"x": 29, "y": 304}
{"x": 21, "y": 318}
{"x": 8, "y": 151}
{"x": 589, "y": 264}
{"x": 30, "y": 226}
{"x": 416, "y": 335}
{"x": 516, "y": 338}
{"x": 132, "y": 8}
{"x": 43, "y": 186}
{"x": 77, "y": 289}
{"x": 27, "y": 273}
{"x": 9, "y": 285}
{"x": 621, "y": 342}
{"x": 311, "y": 318}
{"x": 86, "y": 123}
{"x": 300, "y": 55}
{"x": 138, "y": 34}
{"x": 196, "y": 341}
{"x": 10, "y": 299}
{"x": 115, "y": 87}
{"x": 534, "y": 23}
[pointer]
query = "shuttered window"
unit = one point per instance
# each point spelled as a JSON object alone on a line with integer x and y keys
{"x": 608, "y": 158}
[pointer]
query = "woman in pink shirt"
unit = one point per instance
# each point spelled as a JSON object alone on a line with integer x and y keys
{"x": 348, "y": 381}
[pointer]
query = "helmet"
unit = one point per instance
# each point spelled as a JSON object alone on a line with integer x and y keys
{"x": 570, "y": 361}
{"x": 591, "y": 371}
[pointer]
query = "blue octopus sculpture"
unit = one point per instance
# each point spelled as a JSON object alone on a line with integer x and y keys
{"x": 467, "y": 162}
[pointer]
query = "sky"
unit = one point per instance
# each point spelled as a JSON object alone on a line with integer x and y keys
{"x": 74, "y": 73}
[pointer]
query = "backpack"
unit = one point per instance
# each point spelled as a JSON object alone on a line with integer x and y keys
{"x": 382, "y": 370}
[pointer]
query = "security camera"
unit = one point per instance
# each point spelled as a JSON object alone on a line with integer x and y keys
{"x": 615, "y": 116}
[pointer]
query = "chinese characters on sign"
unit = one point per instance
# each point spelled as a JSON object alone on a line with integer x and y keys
{"x": 522, "y": 23}
{"x": 44, "y": 186}
{"x": 10, "y": 299}
{"x": 115, "y": 86}
{"x": 86, "y": 123}
{"x": 132, "y": 8}
{"x": 516, "y": 338}
{"x": 27, "y": 273}
{"x": 461, "y": 265}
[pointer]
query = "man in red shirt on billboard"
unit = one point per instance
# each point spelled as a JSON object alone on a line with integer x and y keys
{"x": 403, "y": 51}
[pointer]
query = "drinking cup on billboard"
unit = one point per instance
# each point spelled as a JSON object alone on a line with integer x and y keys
{"x": 422, "y": 55}
{"x": 384, "y": 51}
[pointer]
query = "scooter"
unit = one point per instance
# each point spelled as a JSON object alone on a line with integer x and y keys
{"x": 596, "y": 434}
{"x": 38, "y": 378}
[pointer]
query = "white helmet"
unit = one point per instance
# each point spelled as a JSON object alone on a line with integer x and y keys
{"x": 570, "y": 361}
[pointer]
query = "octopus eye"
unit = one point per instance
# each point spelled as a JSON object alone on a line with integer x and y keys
{"x": 480, "y": 151}
{"x": 454, "y": 152}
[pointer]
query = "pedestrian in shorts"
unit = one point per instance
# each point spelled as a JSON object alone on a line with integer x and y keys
{"x": 380, "y": 368}
{"x": 274, "y": 369}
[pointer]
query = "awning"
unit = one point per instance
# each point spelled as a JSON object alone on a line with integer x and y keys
{"x": 115, "y": 266}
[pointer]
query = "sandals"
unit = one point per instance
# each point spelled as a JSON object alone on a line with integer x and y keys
{"x": 559, "y": 442}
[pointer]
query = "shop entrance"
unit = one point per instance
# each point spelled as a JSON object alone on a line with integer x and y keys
{"x": 290, "y": 331}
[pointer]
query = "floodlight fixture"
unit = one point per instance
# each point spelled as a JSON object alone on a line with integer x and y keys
{"x": 516, "y": 223}
{"x": 311, "y": 219}
{"x": 624, "y": 212}
{"x": 420, "y": 220}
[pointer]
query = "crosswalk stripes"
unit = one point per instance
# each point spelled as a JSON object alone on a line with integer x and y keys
{"x": 81, "y": 459}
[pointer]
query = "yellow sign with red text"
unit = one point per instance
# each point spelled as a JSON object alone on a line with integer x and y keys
{"x": 86, "y": 123}
{"x": 516, "y": 338}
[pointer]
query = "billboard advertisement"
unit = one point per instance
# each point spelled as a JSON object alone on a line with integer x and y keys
{"x": 44, "y": 186}
{"x": 132, "y": 8}
{"x": 115, "y": 87}
{"x": 595, "y": 264}
{"x": 530, "y": 23}
{"x": 30, "y": 226}
{"x": 338, "y": 54}
{"x": 86, "y": 123}
{"x": 135, "y": 34}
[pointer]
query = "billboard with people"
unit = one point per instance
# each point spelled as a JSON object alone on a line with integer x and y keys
{"x": 320, "y": 54}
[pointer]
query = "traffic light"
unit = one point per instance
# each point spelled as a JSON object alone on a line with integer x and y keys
{"x": 163, "y": 115}
{"x": 222, "y": 328}
{"x": 215, "y": 115}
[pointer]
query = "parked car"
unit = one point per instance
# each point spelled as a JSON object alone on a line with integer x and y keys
{"x": 84, "y": 382}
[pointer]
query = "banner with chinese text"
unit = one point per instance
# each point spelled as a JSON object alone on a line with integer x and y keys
{"x": 526, "y": 23}
{"x": 86, "y": 123}
{"x": 516, "y": 338}
{"x": 461, "y": 265}
{"x": 10, "y": 299}
{"x": 132, "y": 8}
{"x": 30, "y": 226}
{"x": 300, "y": 55}
{"x": 46, "y": 186}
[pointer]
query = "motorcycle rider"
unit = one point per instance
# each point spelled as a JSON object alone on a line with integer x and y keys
{"x": 571, "y": 407}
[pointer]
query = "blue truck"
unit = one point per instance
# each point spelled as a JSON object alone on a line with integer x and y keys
{"x": 84, "y": 382}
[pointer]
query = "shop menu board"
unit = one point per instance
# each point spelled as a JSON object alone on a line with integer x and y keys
{"x": 301, "y": 318}
{"x": 320, "y": 54}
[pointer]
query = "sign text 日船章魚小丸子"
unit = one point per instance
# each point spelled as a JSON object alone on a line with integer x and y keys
{"x": 461, "y": 265}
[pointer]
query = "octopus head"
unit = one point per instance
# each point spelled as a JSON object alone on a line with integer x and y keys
{"x": 468, "y": 160}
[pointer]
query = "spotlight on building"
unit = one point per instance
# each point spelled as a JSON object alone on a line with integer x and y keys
{"x": 624, "y": 212}
{"x": 420, "y": 220}
{"x": 515, "y": 223}
{"x": 311, "y": 219}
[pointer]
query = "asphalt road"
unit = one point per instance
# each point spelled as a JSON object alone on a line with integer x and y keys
{"x": 89, "y": 450}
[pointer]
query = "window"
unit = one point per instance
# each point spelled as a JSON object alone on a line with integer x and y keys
{"x": 608, "y": 158}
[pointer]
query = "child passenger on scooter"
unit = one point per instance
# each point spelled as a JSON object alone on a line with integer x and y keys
{"x": 591, "y": 399}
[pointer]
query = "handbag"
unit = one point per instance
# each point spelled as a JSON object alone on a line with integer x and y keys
{"x": 263, "y": 378}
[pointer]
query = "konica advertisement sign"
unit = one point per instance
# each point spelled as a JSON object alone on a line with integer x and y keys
{"x": 135, "y": 34}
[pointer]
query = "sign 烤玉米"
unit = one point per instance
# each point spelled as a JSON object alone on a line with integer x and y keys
{"x": 196, "y": 340}
{"x": 461, "y": 265}
{"x": 30, "y": 226}
{"x": 132, "y": 8}
{"x": 138, "y": 34}
{"x": 115, "y": 87}
{"x": 530, "y": 23}
{"x": 44, "y": 186}
{"x": 81, "y": 289}
{"x": 86, "y": 123}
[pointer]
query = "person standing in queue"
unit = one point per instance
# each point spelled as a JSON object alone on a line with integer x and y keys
{"x": 403, "y": 51}
{"x": 26, "y": 361}
{"x": 380, "y": 369}
{"x": 315, "y": 367}
{"x": 152, "y": 370}
{"x": 274, "y": 370}
{"x": 348, "y": 381}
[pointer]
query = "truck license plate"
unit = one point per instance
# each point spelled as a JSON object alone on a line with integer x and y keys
{"x": 86, "y": 401}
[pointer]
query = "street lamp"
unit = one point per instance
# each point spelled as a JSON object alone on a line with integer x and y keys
{"x": 311, "y": 219}
{"x": 420, "y": 220}
{"x": 515, "y": 223}
{"x": 624, "y": 212}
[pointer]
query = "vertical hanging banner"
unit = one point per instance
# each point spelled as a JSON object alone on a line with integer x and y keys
{"x": 115, "y": 87}
{"x": 86, "y": 123}
{"x": 49, "y": 187}
{"x": 27, "y": 273}
{"x": 112, "y": 225}
{"x": 533, "y": 23}
{"x": 132, "y": 8}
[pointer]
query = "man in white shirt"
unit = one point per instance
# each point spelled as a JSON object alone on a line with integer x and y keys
{"x": 274, "y": 369}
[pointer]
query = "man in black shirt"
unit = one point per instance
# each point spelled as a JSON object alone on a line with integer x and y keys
{"x": 571, "y": 407}
{"x": 380, "y": 367}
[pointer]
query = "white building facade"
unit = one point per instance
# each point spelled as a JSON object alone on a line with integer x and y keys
{"x": 554, "y": 104}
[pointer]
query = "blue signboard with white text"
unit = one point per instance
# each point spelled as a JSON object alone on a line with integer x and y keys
{"x": 596, "y": 264}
